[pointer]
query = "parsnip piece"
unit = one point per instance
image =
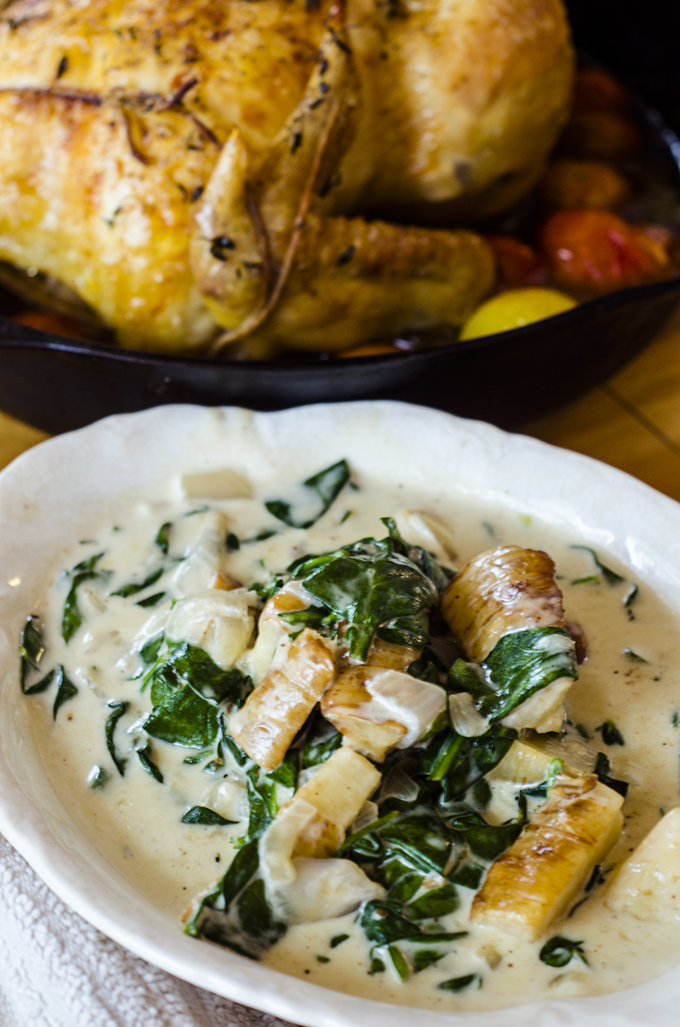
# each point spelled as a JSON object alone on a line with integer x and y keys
{"x": 579, "y": 757}
{"x": 219, "y": 622}
{"x": 415, "y": 704}
{"x": 325, "y": 888}
{"x": 276, "y": 845}
{"x": 647, "y": 885}
{"x": 205, "y": 566}
{"x": 272, "y": 632}
{"x": 337, "y": 791}
{"x": 503, "y": 591}
{"x": 542, "y": 711}
{"x": 465, "y": 717}
{"x": 506, "y": 589}
{"x": 223, "y": 483}
{"x": 533, "y": 882}
{"x": 276, "y": 710}
{"x": 425, "y": 530}
{"x": 365, "y": 724}
{"x": 522, "y": 764}
{"x": 304, "y": 889}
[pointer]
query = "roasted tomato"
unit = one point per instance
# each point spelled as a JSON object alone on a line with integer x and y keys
{"x": 601, "y": 134}
{"x": 597, "y": 90}
{"x": 584, "y": 183}
{"x": 594, "y": 251}
{"x": 516, "y": 263}
{"x": 58, "y": 324}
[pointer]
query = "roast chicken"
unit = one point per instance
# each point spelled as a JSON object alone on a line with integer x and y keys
{"x": 208, "y": 173}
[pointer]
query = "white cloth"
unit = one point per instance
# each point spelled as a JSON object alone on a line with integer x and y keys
{"x": 58, "y": 971}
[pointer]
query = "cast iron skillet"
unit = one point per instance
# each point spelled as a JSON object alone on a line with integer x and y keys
{"x": 58, "y": 384}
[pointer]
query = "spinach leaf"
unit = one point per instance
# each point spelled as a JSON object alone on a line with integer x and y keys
{"x": 632, "y": 655}
{"x": 236, "y": 912}
{"x": 424, "y": 958}
{"x": 150, "y": 650}
{"x": 383, "y": 924}
{"x": 82, "y": 572}
{"x": 162, "y": 539}
{"x": 261, "y": 536}
{"x": 602, "y": 768}
{"x": 320, "y": 746}
{"x": 286, "y": 773}
{"x": 559, "y": 951}
{"x": 65, "y": 690}
{"x": 520, "y": 664}
{"x": 374, "y": 587}
{"x": 474, "y": 758}
{"x": 399, "y": 961}
{"x": 192, "y": 761}
{"x": 203, "y": 815}
{"x": 481, "y": 794}
{"x": 630, "y": 596}
{"x": 262, "y": 805}
{"x": 338, "y": 940}
{"x": 265, "y": 590}
{"x": 424, "y": 670}
{"x": 42, "y": 685}
{"x": 459, "y": 983}
{"x": 402, "y": 880}
{"x": 187, "y": 687}
{"x": 318, "y": 617}
{"x": 610, "y": 733}
{"x": 31, "y": 651}
{"x": 117, "y": 711}
{"x": 488, "y": 841}
{"x": 440, "y": 754}
{"x": 180, "y": 716}
{"x": 468, "y": 874}
{"x": 134, "y": 587}
{"x": 256, "y": 915}
{"x": 239, "y": 755}
{"x": 356, "y": 843}
{"x": 97, "y": 777}
{"x": 144, "y": 756}
{"x": 421, "y": 839}
{"x": 325, "y": 487}
{"x": 436, "y": 902}
{"x": 242, "y": 868}
{"x": 233, "y": 543}
{"x": 152, "y": 600}
{"x": 610, "y": 576}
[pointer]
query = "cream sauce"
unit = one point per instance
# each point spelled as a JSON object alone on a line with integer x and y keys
{"x": 135, "y": 821}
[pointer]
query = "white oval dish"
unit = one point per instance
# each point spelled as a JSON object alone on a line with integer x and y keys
{"x": 50, "y": 494}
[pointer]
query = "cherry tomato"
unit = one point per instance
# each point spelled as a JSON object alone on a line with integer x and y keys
{"x": 58, "y": 324}
{"x": 517, "y": 263}
{"x": 597, "y": 90}
{"x": 600, "y": 134}
{"x": 584, "y": 183}
{"x": 594, "y": 251}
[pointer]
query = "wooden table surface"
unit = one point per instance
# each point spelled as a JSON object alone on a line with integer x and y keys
{"x": 632, "y": 422}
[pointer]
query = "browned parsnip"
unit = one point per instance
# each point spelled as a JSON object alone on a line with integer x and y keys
{"x": 505, "y": 589}
{"x": 278, "y": 707}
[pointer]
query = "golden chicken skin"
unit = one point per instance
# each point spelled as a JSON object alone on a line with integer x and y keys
{"x": 200, "y": 172}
